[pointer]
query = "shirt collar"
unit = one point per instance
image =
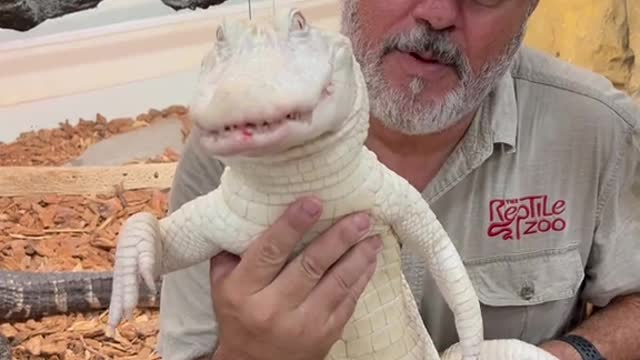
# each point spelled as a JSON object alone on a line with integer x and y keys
{"x": 502, "y": 111}
{"x": 495, "y": 125}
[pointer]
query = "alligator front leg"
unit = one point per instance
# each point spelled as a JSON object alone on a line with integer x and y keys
{"x": 149, "y": 248}
{"x": 417, "y": 227}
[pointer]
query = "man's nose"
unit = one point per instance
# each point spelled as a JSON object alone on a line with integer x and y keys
{"x": 438, "y": 14}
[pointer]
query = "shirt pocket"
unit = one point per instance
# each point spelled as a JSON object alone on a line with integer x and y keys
{"x": 532, "y": 296}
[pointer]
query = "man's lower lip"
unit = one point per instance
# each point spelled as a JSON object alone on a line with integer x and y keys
{"x": 421, "y": 67}
{"x": 419, "y": 58}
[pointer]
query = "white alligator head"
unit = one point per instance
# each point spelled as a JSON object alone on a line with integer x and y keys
{"x": 269, "y": 87}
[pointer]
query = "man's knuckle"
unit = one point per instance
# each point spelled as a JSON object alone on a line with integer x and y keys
{"x": 234, "y": 299}
{"x": 225, "y": 296}
{"x": 270, "y": 252}
{"x": 311, "y": 266}
{"x": 299, "y": 330}
{"x": 260, "y": 319}
{"x": 342, "y": 283}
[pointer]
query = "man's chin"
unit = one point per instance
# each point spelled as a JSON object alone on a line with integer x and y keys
{"x": 417, "y": 127}
{"x": 418, "y": 93}
{"x": 417, "y": 113}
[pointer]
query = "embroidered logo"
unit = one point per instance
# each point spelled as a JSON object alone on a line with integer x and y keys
{"x": 519, "y": 217}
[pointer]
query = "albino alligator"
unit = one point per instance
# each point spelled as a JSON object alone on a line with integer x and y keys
{"x": 284, "y": 105}
{"x": 32, "y": 295}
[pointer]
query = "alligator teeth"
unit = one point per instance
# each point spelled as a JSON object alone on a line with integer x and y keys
{"x": 293, "y": 116}
{"x": 257, "y": 128}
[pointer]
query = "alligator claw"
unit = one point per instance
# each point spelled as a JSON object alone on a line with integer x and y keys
{"x": 136, "y": 257}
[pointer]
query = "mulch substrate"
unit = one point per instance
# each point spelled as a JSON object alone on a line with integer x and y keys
{"x": 76, "y": 233}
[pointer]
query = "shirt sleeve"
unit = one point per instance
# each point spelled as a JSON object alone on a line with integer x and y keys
{"x": 613, "y": 267}
{"x": 187, "y": 322}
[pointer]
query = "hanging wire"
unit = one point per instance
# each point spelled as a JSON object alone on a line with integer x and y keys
{"x": 249, "y": 2}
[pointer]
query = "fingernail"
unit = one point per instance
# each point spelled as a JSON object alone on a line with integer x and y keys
{"x": 311, "y": 207}
{"x": 362, "y": 222}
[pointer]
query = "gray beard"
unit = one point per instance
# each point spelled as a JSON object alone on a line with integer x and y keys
{"x": 399, "y": 109}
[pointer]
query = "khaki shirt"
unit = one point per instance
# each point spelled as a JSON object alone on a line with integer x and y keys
{"x": 538, "y": 198}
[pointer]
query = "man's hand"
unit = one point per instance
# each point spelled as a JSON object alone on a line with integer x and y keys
{"x": 612, "y": 329}
{"x": 269, "y": 309}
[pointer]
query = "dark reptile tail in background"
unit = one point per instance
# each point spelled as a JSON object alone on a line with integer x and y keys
{"x": 32, "y": 295}
{"x": 5, "y": 348}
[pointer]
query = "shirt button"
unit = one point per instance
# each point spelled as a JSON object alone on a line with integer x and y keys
{"x": 527, "y": 291}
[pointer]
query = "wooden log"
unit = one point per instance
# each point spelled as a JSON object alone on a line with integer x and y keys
{"x": 84, "y": 180}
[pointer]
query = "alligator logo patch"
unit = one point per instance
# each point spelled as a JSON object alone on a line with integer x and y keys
{"x": 516, "y": 218}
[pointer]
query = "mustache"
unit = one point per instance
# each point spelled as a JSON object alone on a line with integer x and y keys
{"x": 438, "y": 45}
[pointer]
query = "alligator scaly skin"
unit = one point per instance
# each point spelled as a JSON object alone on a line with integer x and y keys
{"x": 5, "y": 348}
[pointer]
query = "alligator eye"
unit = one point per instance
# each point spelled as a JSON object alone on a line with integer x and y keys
{"x": 298, "y": 22}
{"x": 220, "y": 33}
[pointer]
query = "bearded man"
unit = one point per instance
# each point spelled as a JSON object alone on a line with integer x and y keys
{"x": 484, "y": 128}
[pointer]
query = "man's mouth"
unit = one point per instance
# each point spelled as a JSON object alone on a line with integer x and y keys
{"x": 427, "y": 58}
{"x": 426, "y": 64}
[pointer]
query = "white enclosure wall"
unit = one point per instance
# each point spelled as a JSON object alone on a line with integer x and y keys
{"x": 120, "y": 59}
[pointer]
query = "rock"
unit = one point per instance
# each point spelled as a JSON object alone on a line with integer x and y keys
{"x": 135, "y": 145}
{"x": 23, "y": 15}
{"x": 591, "y": 34}
{"x": 633, "y": 10}
{"x": 191, "y": 4}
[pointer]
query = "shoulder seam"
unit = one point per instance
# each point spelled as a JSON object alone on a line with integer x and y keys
{"x": 621, "y": 113}
{"x": 608, "y": 184}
